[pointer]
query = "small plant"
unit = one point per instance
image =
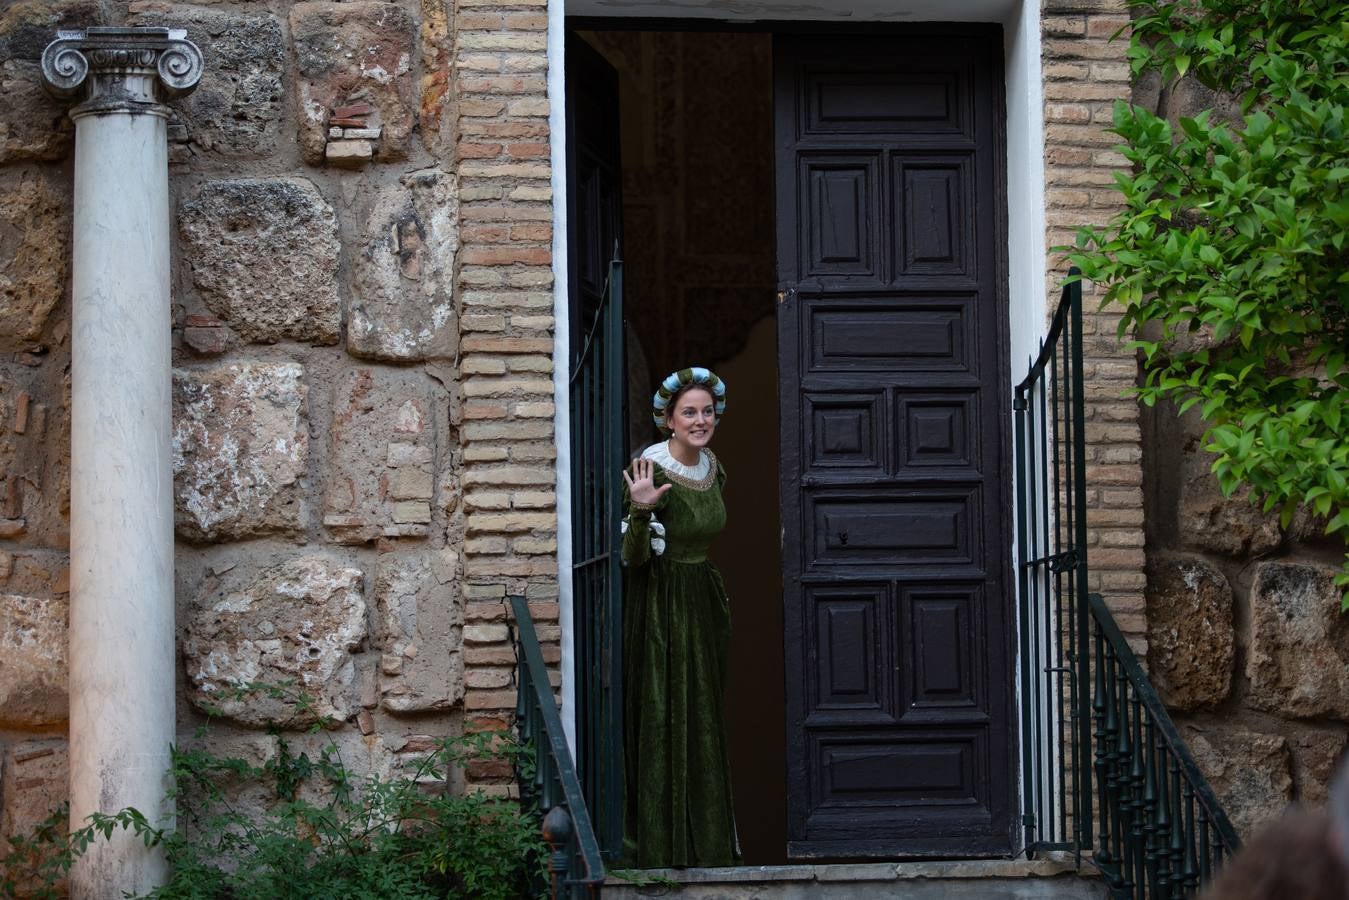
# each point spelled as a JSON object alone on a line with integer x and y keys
{"x": 326, "y": 832}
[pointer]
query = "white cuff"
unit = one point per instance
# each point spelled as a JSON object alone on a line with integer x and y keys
{"x": 657, "y": 536}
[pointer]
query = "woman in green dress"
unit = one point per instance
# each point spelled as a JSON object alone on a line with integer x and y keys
{"x": 676, "y": 628}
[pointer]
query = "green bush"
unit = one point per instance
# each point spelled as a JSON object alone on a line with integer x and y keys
{"x": 325, "y": 834}
{"x": 1239, "y": 232}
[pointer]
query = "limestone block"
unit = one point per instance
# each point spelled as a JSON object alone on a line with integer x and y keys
{"x": 349, "y": 153}
{"x": 33, "y": 671}
{"x": 354, "y": 52}
{"x": 1316, "y": 754}
{"x": 34, "y": 785}
{"x": 402, "y": 307}
{"x": 1210, "y": 521}
{"x": 1298, "y": 662}
{"x": 240, "y": 448}
{"x": 1190, "y": 638}
{"x": 381, "y": 433}
{"x": 419, "y": 620}
{"x": 295, "y": 622}
{"x": 263, "y": 253}
{"x": 35, "y": 452}
{"x": 236, "y": 108}
{"x": 1248, "y": 770}
{"x": 34, "y": 125}
{"x": 34, "y": 254}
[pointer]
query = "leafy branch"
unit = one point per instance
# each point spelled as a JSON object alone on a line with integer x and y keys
{"x": 1229, "y": 257}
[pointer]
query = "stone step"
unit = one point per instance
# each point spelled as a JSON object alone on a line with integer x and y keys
{"x": 1003, "y": 879}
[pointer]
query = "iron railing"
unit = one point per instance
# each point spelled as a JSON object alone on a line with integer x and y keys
{"x": 598, "y": 436}
{"x": 1161, "y": 832}
{"x": 1104, "y": 770}
{"x": 574, "y": 864}
{"x": 1051, "y": 489}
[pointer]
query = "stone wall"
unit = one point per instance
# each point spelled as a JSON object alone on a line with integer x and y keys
{"x": 362, "y": 337}
{"x": 1246, "y": 641}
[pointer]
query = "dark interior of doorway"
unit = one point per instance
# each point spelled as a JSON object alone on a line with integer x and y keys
{"x": 699, "y": 278}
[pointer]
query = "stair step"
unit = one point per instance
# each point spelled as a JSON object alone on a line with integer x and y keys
{"x": 1001, "y": 879}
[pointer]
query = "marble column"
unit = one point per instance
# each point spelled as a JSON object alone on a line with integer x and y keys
{"x": 121, "y": 479}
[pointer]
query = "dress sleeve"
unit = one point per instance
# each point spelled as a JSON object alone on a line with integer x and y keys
{"x": 643, "y": 533}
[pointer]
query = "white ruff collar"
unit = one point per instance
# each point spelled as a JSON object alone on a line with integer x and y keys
{"x": 660, "y": 454}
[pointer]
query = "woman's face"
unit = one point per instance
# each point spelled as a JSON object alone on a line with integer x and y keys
{"x": 692, "y": 419}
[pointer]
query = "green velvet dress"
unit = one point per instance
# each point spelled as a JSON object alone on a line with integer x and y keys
{"x": 676, "y": 628}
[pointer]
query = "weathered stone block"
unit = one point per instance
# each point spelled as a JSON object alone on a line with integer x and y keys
{"x": 1316, "y": 755}
{"x": 263, "y": 254}
{"x": 34, "y": 785}
{"x": 34, "y": 255}
{"x": 403, "y": 307}
{"x": 1248, "y": 770}
{"x": 349, "y": 153}
{"x": 236, "y": 108}
{"x": 347, "y": 52}
{"x": 1190, "y": 639}
{"x": 240, "y": 447}
{"x": 33, "y": 672}
{"x": 1210, "y": 521}
{"x": 1298, "y": 662}
{"x": 295, "y": 622}
{"x": 381, "y": 431}
{"x": 35, "y": 454}
{"x": 418, "y": 621}
{"x": 34, "y": 125}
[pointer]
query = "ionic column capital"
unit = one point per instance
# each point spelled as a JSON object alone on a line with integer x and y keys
{"x": 130, "y": 70}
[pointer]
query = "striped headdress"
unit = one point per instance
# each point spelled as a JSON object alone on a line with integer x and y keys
{"x": 680, "y": 379}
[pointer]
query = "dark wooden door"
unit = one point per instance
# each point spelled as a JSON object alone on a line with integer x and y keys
{"x": 895, "y": 498}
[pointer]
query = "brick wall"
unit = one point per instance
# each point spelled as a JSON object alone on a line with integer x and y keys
{"x": 505, "y": 278}
{"x": 1084, "y": 74}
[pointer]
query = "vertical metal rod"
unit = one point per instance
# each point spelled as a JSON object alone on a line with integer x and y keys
{"x": 1056, "y": 512}
{"x": 1162, "y": 823}
{"x": 1178, "y": 833}
{"x": 1205, "y": 857}
{"x": 1037, "y": 609}
{"x": 1079, "y": 524}
{"x": 1028, "y": 747}
{"x": 1137, "y": 779}
{"x": 1103, "y": 713}
{"x": 1051, "y": 709}
{"x": 1150, "y": 843}
{"x": 1122, "y": 754}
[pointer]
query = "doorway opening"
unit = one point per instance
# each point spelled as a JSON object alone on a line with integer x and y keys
{"x": 697, "y": 215}
{"x": 821, "y": 219}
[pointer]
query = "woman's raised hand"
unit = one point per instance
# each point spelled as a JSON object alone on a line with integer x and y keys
{"x": 641, "y": 487}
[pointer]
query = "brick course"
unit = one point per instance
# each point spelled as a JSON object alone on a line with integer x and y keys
{"x": 1085, "y": 73}
{"x": 505, "y": 276}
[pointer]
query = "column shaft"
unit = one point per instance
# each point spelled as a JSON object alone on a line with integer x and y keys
{"x": 121, "y": 542}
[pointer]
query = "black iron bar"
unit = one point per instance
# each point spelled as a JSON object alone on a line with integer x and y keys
{"x": 540, "y": 727}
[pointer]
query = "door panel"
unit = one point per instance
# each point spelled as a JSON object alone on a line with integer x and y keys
{"x": 894, "y": 494}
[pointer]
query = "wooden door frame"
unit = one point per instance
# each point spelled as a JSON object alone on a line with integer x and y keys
{"x": 1017, "y": 325}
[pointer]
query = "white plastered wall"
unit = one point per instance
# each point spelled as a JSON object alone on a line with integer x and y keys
{"x": 1026, "y": 248}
